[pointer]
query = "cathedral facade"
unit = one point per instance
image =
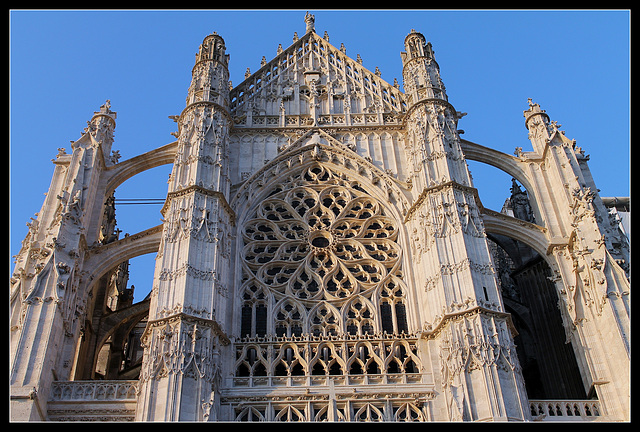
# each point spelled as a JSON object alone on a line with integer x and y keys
{"x": 324, "y": 256}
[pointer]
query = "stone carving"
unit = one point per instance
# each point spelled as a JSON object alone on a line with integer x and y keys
{"x": 319, "y": 239}
{"x": 323, "y": 256}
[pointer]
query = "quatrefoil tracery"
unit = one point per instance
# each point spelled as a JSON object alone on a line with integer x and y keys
{"x": 320, "y": 240}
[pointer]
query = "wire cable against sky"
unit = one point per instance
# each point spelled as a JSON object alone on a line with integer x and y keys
{"x": 139, "y": 201}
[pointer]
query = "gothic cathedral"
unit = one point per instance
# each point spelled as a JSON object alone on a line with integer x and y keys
{"x": 324, "y": 256}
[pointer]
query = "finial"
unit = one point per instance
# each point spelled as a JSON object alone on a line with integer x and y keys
{"x": 533, "y": 108}
{"x": 106, "y": 108}
{"x": 310, "y": 21}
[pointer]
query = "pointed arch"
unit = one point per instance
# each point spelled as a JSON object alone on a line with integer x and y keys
{"x": 316, "y": 146}
{"x": 289, "y": 361}
{"x": 289, "y": 414}
{"x": 364, "y": 359}
{"x": 289, "y": 317}
{"x": 360, "y": 316}
{"x": 251, "y": 361}
{"x": 250, "y": 413}
{"x": 401, "y": 358}
{"x": 324, "y": 319}
{"x": 368, "y": 413}
{"x": 320, "y": 223}
{"x": 326, "y": 361}
{"x": 408, "y": 412}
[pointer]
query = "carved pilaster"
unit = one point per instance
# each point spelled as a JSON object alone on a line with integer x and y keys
{"x": 181, "y": 352}
{"x": 479, "y": 367}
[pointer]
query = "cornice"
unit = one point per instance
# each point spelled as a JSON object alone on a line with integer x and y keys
{"x": 431, "y": 189}
{"x": 197, "y": 104}
{"x": 203, "y": 191}
{"x": 468, "y": 313}
{"x": 424, "y": 101}
{"x": 181, "y": 316}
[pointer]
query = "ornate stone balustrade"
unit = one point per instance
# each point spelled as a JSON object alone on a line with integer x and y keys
{"x": 93, "y": 400}
{"x": 309, "y": 360}
{"x": 93, "y": 390}
{"x": 565, "y": 410}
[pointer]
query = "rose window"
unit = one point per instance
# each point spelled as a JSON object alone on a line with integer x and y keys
{"x": 319, "y": 239}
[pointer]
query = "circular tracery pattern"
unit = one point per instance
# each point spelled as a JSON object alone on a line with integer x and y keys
{"x": 320, "y": 239}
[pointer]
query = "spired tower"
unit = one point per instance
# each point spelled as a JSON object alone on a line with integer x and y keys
{"x": 180, "y": 372}
{"x": 323, "y": 256}
{"x": 465, "y": 320}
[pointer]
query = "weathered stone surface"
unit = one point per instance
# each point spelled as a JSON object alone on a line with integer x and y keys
{"x": 323, "y": 255}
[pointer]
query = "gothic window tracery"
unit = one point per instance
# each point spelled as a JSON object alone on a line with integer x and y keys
{"x": 324, "y": 252}
{"x": 289, "y": 414}
{"x": 369, "y": 413}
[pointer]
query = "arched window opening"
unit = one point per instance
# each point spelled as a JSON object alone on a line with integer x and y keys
{"x": 393, "y": 312}
{"x": 128, "y": 211}
{"x": 320, "y": 239}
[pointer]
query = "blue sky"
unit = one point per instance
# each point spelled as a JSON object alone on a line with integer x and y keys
{"x": 64, "y": 64}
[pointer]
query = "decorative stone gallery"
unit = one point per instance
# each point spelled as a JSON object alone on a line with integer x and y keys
{"x": 324, "y": 256}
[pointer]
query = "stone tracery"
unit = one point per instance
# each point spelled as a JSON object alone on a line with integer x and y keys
{"x": 322, "y": 297}
{"x": 321, "y": 239}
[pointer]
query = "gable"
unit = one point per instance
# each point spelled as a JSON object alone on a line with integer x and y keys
{"x": 313, "y": 83}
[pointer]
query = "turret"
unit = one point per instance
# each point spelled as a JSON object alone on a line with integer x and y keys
{"x": 420, "y": 72}
{"x": 101, "y": 128}
{"x": 204, "y": 123}
{"x": 210, "y": 75}
{"x": 192, "y": 258}
{"x": 537, "y": 122}
{"x": 431, "y": 120}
